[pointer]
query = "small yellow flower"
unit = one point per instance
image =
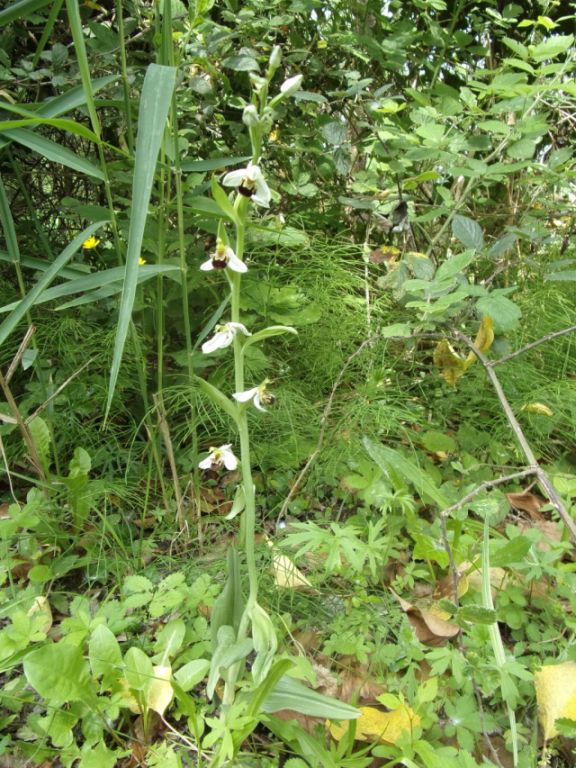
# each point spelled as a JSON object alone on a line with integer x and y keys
{"x": 321, "y": 44}
{"x": 91, "y": 243}
{"x": 141, "y": 261}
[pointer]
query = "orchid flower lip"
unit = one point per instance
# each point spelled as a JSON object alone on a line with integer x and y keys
{"x": 223, "y": 257}
{"x": 250, "y": 182}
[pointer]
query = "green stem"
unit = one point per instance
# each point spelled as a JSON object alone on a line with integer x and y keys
{"x": 125, "y": 84}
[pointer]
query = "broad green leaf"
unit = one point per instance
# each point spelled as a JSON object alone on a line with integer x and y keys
{"x": 468, "y": 231}
{"x": 138, "y": 671}
{"x": 241, "y": 63}
{"x": 513, "y": 551}
{"x": 522, "y": 150}
{"x": 519, "y": 49}
{"x": 387, "y": 458}
{"x": 205, "y": 206}
{"x": 45, "y": 280}
{"x": 99, "y": 756}
{"x": 502, "y": 245}
{"x": 104, "y": 654}
{"x": 155, "y": 104}
{"x": 396, "y": 330}
{"x": 455, "y": 265}
{"x": 58, "y": 673}
{"x": 335, "y": 133}
{"x": 504, "y": 312}
{"x": 228, "y": 652}
{"x": 192, "y": 673}
{"x": 435, "y": 441}
{"x": 549, "y": 49}
{"x": 291, "y": 694}
{"x": 54, "y": 152}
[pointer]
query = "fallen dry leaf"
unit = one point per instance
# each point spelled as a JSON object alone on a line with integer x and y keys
{"x": 287, "y": 575}
{"x": 373, "y": 725}
{"x": 430, "y": 622}
{"x": 526, "y": 502}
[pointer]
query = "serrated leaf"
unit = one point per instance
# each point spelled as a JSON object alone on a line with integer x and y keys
{"x": 504, "y": 312}
{"x": 241, "y": 63}
{"x": 475, "y": 614}
{"x": 455, "y": 265}
{"x": 41, "y": 437}
{"x": 468, "y": 231}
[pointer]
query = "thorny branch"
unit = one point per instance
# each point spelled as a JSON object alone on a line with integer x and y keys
{"x": 543, "y": 479}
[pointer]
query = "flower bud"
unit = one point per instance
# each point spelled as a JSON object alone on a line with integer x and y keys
{"x": 275, "y": 57}
{"x": 257, "y": 82}
{"x": 250, "y": 116}
{"x": 291, "y": 85}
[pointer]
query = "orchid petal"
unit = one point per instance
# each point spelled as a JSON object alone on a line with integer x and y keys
{"x": 235, "y": 178}
{"x": 244, "y": 397}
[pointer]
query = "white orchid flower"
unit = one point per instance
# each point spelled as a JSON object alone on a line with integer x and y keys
{"x": 259, "y": 396}
{"x": 251, "y": 183}
{"x": 223, "y": 257}
{"x": 224, "y": 336}
{"x": 219, "y": 457}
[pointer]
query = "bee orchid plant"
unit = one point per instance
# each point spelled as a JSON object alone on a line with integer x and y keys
{"x": 236, "y": 633}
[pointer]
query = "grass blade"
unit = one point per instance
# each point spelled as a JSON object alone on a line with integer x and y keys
{"x": 54, "y": 152}
{"x": 8, "y": 226}
{"x": 22, "y": 9}
{"x": 154, "y": 106}
{"x": 18, "y": 313}
{"x": 108, "y": 278}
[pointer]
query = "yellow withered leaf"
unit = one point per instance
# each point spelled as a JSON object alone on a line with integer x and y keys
{"x": 555, "y": 694}
{"x": 446, "y": 357}
{"x": 484, "y": 338}
{"x": 160, "y": 692}
{"x": 158, "y": 695}
{"x": 41, "y": 606}
{"x": 286, "y": 574}
{"x": 538, "y": 408}
{"x": 376, "y": 726}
